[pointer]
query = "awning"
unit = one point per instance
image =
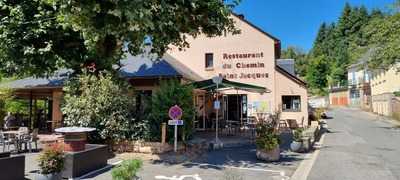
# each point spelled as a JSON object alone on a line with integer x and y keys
{"x": 209, "y": 85}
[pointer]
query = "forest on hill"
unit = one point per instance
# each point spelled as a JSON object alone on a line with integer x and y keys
{"x": 358, "y": 31}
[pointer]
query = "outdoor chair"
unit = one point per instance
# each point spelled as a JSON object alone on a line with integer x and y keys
{"x": 23, "y": 130}
{"x": 4, "y": 142}
{"x": 29, "y": 139}
{"x": 33, "y": 138}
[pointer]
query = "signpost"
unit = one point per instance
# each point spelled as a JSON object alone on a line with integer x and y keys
{"x": 217, "y": 80}
{"x": 175, "y": 113}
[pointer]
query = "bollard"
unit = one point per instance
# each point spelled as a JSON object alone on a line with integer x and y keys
{"x": 163, "y": 132}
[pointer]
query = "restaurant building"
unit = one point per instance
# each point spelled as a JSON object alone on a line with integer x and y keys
{"x": 250, "y": 57}
{"x": 247, "y": 61}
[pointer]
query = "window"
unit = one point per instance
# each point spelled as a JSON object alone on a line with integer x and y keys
{"x": 291, "y": 104}
{"x": 209, "y": 60}
{"x": 141, "y": 97}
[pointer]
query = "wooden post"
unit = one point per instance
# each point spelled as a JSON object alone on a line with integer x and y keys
{"x": 163, "y": 132}
{"x": 57, "y": 114}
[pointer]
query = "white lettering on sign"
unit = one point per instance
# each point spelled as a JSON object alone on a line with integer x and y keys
{"x": 183, "y": 177}
{"x": 175, "y": 122}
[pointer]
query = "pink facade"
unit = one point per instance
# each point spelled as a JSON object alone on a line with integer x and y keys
{"x": 248, "y": 57}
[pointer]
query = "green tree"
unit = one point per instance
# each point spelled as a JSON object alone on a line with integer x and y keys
{"x": 170, "y": 93}
{"x": 38, "y": 37}
{"x": 300, "y": 59}
{"x": 317, "y": 72}
{"x": 384, "y": 39}
{"x": 102, "y": 102}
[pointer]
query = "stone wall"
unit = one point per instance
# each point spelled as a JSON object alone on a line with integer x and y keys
{"x": 142, "y": 147}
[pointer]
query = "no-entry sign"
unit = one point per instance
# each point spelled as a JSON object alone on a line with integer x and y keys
{"x": 175, "y": 112}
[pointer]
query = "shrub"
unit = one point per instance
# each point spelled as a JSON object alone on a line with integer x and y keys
{"x": 101, "y": 101}
{"x": 267, "y": 139}
{"x": 127, "y": 170}
{"x": 170, "y": 93}
{"x": 298, "y": 134}
{"x": 52, "y": 159}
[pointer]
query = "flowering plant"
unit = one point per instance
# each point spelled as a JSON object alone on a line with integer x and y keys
{"x": 52, "y": 159}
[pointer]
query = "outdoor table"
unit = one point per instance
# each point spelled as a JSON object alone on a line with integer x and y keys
{"x": 16, "y": 135}
{"x": 230, "y": 126}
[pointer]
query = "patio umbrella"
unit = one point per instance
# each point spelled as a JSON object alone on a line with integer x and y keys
{"x": 209, "y": 85}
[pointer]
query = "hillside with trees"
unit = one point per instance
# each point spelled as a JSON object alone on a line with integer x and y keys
{"x": 341, "y": 43}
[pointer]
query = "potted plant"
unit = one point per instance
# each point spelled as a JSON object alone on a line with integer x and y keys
{"x": 51, "y": 163}
{"x": 127, "y": 170}
{"x": 267, "y": 142}
{"x": 297, "y": 140}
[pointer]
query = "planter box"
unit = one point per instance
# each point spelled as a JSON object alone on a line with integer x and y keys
{"x": 80, "y": 163}
{"x": 12, "y": 167}
{"x": 269, "y": 156}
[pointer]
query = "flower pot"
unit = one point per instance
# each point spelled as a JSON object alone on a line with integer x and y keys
{"x": 306, "y": 145}
{"x": 269, "y": 156}
{"x": 54, "y": 176}
{"x": 295, "y": 146}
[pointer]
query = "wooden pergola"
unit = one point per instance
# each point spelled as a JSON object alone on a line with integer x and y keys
{"x": 52, "y": 97}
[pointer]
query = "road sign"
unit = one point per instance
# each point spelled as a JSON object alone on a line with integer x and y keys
{"x": 217, "y": 104}
{"x": 217, "y": 79}
{"x": 175, "y": 112}
{"x": 175, "y": 122}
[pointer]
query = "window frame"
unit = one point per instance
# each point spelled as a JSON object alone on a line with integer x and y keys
{"x": 206, "y": 61}
{"x": 292, "y": 104}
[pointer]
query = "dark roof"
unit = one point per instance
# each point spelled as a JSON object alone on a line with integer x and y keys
{"x": 338, "y": 89}
{"x": 141, "y": 66}
{"x": 146, "y": 66}
{"x": 287, "y": 65}
{"x": 55, "y": 81}
{"x": 290, "y": 76}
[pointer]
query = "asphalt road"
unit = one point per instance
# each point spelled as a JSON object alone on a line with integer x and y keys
{"x": 359, "y": 146}
{"x": 237, "y": 163}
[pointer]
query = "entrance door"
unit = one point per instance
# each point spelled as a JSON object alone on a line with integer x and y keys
{"x": 236, "y": 107}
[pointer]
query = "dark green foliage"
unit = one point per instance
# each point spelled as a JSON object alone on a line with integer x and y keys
{"x": 127, "y": 170}
{"x": 340, "y": 44}
{"x": 38, "y": 37}
{"x": 298, "y": 134}
{"x": 317, "y": 71}
{"x": 102, "y": 102}
{"x": 267, "y": 139}
{"x": 170, "y": 93}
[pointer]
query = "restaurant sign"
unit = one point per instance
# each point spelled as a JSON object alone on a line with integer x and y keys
{"x": 241, "y": 62}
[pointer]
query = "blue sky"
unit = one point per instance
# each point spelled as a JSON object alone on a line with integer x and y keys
{"x": 296, "y": 22}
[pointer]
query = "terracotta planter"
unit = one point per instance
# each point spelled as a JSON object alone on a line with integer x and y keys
{"x": 269, "y": 156}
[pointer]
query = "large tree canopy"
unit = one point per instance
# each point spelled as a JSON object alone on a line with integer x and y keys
{"x": 39, "y": 36}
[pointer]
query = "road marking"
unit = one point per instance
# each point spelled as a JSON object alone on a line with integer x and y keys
{"x": 306, "y": 165}
{"x": 240, "y": 168}
{"x": 195, "y": 177}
